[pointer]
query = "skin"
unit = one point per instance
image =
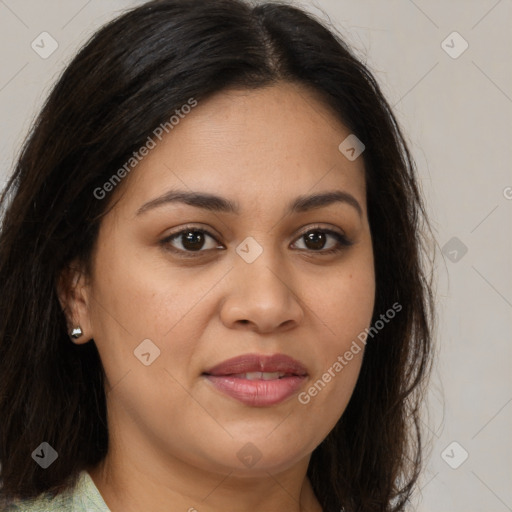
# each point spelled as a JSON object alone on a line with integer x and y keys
{"x": 174, "y": 438}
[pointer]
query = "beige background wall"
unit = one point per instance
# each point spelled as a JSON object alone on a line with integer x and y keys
{"x": 456, "y": 109}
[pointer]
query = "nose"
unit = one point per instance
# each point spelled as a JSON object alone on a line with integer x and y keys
{"x": 262, "y": 296}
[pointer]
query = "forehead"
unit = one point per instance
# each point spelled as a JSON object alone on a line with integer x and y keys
{"x": 278, "y": 141}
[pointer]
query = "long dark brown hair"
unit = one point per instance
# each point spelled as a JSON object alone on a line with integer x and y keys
{"x": 129, "y": 78}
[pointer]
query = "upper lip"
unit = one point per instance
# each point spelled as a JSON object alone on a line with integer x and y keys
{"x": 258, "y": 363}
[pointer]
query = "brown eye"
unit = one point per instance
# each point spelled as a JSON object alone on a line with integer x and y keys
{"x": 191, "y": 240}
{"x": 316, "y": 239}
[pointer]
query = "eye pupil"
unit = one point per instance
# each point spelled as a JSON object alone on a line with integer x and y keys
{"x": 193, "y": 240}
{"x": 317, "y": 237}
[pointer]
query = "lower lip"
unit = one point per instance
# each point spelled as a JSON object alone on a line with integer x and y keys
{"x": 257, "y": 393}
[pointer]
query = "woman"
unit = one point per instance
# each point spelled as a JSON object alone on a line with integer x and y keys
{"x": 212, "y": 291}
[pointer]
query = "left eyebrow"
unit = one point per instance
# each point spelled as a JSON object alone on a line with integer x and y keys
{"x": 321, "y": 200}
{"x": 215, "y": 203}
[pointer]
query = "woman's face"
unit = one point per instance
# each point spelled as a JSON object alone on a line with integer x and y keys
{"x": 258, "y": 281}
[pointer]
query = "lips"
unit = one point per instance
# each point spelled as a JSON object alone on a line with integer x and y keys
{"x": 258, "y": 380}
{"x": 252, "y": 363}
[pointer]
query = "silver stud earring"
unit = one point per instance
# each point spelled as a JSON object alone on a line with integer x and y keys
{"x": 76, "y": 332}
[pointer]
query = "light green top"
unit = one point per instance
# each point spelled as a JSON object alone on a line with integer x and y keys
{"x": 85, "y": 497}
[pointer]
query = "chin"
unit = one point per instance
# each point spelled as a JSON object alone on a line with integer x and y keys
{"x": 257, "y": 456}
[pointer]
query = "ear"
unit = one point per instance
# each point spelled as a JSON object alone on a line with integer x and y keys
{"x": 73, "y": 291}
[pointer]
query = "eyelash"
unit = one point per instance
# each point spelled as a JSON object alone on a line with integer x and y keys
{"x": 343, "y": 241}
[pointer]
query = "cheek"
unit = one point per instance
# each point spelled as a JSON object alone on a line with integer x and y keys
{"x": 136, "y": 299}
{"x": 344, "y": 299}
{"x": 144, "y": 297}
{"x": 344, "y": 307}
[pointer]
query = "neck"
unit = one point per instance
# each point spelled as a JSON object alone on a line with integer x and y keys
{"x": 133, "y": 486}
